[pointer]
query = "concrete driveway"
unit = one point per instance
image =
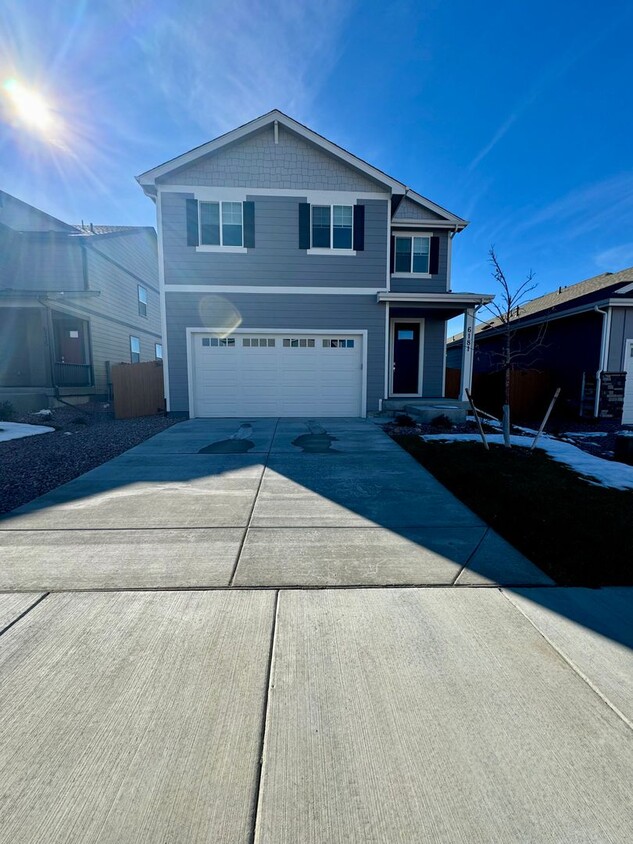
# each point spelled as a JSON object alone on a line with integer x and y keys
{"x": 284, "y": 503}
{"x": 231, "y": 672}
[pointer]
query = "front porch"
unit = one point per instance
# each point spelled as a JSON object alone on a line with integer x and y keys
{"x": 415, "y": 376}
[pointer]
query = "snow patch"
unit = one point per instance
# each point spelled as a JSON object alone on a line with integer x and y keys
{"x": 17, "y": 430}
{"x": 605, "y": 472}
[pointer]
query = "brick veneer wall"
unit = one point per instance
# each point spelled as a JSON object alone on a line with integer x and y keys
{"x": 612, "y": 395}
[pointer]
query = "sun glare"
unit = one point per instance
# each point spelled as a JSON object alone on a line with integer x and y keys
{"x": 28, "y": 107}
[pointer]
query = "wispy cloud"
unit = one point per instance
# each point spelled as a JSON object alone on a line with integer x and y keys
{"x": 588, "y": 208}
{"x": 229, "y": 61}
{"x": 558, "y": 68}
{"x": 615, "y": 258}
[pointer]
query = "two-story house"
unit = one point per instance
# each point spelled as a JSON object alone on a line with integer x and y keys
{"x": 73, "y": 300}
{"x": 299, "y": 280}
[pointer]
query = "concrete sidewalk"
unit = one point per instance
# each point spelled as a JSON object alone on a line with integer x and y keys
{"x": 233, "y": 674}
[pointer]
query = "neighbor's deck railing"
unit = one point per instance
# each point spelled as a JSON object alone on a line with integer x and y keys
{"x": 73, "y": 375}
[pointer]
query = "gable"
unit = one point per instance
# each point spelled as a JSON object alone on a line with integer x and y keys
{"x": 258, "y": 162}
{"x": 20, "y": 216}
{"x": 410, "y": 210}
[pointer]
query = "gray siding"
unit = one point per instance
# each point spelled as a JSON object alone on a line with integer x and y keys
{"x": 276, "y": 259}
{"x": 114, "y": 313}
{"x": 621, "y": 331}
{"x": 136, "y": 251}
{"x": 257, "y": 162}
{"x": 409, "y": 210}
{"x": 40, "y": 261}
{"x": 439, "y": 283}
{"x": 338, "y": 313}
{"x": 433, "y": 360}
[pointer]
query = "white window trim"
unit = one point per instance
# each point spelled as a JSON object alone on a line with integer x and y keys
{"x": 278, "y": 332}
{"x": 411, "y": 235}
{"x": 219, "y": 247}
{"x": 392, "y": 339}
{"x": 331, "y": 250}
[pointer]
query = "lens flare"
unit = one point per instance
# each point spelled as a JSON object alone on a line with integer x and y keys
{"x": 28, "y": 107}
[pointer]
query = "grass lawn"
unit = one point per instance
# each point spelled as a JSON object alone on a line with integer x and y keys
{"x": 579, "y": 534}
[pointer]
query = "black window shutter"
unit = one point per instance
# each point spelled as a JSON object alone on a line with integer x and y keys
{"x": 249, "y": 224}
{"x": 392, "y": 254}
{"x": 359, "y": 228}
{"x": 434, "y": 256}
{"x": 192, "y": 222}
{"x": 304, "y": 225}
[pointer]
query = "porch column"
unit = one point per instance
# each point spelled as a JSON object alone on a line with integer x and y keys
{"x": 468, "y": 348}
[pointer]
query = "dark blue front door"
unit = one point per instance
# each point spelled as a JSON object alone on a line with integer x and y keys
{"x": 406, "y": 357}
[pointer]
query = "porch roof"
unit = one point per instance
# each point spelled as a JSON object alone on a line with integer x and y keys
{"x": 450, "y": 304}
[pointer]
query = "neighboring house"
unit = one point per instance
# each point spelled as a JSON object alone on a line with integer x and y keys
{"x": 586, "y": 346}
{"x": 299, "y": 280}
{"x": 73, "y": 299}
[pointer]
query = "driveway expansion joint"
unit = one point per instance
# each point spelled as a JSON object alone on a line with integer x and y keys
{"x": 569, "y": 662}
{"x": 250, "y": 517}
{"x": 24, "y": 612}
{"x": 257, "y": 791}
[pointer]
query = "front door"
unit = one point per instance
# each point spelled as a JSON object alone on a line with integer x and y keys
{"x": 406, "y": 358}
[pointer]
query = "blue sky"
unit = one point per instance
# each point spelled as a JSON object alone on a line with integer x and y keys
{"x": 516, "y": 115}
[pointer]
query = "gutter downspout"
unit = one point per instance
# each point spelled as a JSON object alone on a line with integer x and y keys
{"x": 604, "y": 340}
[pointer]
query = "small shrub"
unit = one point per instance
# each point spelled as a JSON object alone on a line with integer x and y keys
{"x": 441, "y": 422}
{"x": 403, "y": 420}
{"x": 7, "y": 411}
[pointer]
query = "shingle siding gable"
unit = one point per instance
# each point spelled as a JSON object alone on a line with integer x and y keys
{"x": 409, "y": 210}
{"x": 257, "y": 162}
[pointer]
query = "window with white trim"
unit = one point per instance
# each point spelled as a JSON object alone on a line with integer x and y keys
{"x": 142, "y": 300}
{"x": 412, "y": 254}
{"x": 158, "y": 351}
{"x": 135, "y": 349}
{"x": 221, "y": 223}
{"x": 332, "y": 226}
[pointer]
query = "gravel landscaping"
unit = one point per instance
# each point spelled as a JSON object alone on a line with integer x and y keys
{"x": 85, "y": 437}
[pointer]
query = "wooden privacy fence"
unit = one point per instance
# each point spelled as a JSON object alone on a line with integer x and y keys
{"x": 137, "y": 389}
{"x": 530, "y": 392}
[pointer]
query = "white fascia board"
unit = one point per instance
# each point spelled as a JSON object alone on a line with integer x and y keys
{"x": 429, "y": 224}
{"x": 437, "y": 298}
{"x": 294, "y": 291}
{"x": 426, "y": 203}
{"x": 206, "y": 193}
{"x": 620, "y": 303}
{"x": 148, "y": 178}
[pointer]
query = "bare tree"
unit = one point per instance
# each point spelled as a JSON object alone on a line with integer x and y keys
{"x": 506, "y": 308}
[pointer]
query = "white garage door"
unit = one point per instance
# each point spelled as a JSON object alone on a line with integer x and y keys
{"x": 627, "y": 410}
{"x": 277, "y": 374}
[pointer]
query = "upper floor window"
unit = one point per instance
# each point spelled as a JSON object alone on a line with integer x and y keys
{"x": 412, "y": 254}
{"x": 135, "y": 349}
{"x": 221, "y": 224}
{"x": 332, "y": 226}
{"x": 142, "y": 301}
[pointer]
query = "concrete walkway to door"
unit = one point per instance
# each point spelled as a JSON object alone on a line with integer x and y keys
{"x": 266, "y": 631}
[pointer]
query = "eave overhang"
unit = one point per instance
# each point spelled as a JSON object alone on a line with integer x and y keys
{"x": 450, "y": 300}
